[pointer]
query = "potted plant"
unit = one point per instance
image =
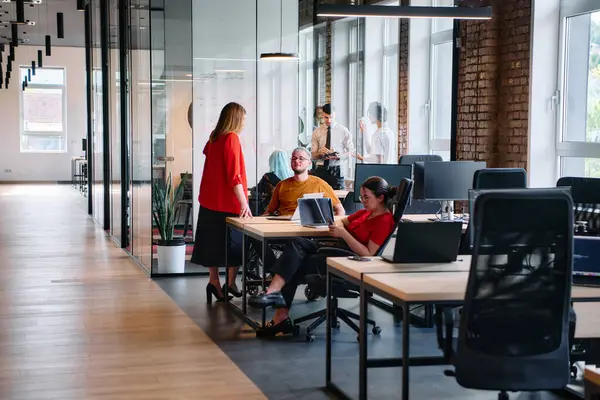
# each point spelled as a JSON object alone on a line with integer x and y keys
{"x": 170, "y": 249}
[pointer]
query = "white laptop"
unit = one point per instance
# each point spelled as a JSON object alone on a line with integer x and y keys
{"x": 296, "y": 216}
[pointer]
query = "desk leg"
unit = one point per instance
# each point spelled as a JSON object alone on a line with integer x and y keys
{"x": 405, "y": 350}
{"x": 362, "y": 345}
{"x": 328, "y": 332}
{"x": 225, "y": 287}
{"x": 264, "y": 282}
{"x": 244, "y": 273}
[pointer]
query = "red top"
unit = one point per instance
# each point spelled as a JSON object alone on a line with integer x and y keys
{"x": 224, "y": 168}
{"x": 376, "y": 229}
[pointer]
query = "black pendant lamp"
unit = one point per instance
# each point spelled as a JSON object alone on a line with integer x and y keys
{"x": 15, "y": 35}
{"x": 48, "y": 46}
{"x": 33, "y": 67}
{"x": 40, "y": 61}
{"x": 11, "y": 52}
{"x": 81, "y": 5}
{"x": 60, "y": 27}
{"x": 280, "y": 56}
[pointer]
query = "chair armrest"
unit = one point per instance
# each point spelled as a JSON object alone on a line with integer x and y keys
{"x": 335, "y": 252}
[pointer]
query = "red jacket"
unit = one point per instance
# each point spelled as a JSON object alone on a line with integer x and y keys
{"x": 224, "y": 168}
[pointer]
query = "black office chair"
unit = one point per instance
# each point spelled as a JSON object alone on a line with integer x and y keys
{"x": 586, "y": 198}
{"x": 500, "y": 178}
{"x": 493, "y": 178}
{"x": 418, "y": 206}
{"x": 186, "y": 203}
{"x": 514, "y": 327}
{"x": 342, "y": 289}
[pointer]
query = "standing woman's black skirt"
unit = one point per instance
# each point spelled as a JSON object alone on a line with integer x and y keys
{"x": 209, "y": 243}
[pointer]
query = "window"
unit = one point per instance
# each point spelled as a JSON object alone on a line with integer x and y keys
{"x": 440, "y": 90}
{"x": 578, "y": 98}
{"x": 43, "y": 111}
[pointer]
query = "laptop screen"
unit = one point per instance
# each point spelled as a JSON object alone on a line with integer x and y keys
{"x": 586, "y": 256}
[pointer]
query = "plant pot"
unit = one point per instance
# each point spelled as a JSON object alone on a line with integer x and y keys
{"x": 171, "y": 256}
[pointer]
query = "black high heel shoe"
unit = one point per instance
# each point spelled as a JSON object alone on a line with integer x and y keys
{"x": 211, "y": 290}
{"x": 233, "y": 290}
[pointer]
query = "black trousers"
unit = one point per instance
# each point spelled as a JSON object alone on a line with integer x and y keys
{"x": 332, "y": 175}
{"x": 300, "y": 258}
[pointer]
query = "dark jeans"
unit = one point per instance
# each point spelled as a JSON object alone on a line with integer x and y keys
{"x": 300, "y": 258}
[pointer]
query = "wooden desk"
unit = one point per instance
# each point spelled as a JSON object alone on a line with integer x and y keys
{"x": 407, "y": 288}
{"x": 591, "y": 376}
{"x": 356, "y": 269}
{"x": 265, "y": 231}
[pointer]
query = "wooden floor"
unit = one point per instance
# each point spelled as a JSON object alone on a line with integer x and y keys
{"x": 79, "y": 320}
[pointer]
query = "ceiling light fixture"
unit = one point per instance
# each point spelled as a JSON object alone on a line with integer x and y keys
{"x": 343, "y": 10}
{"x": 281, "y": 56}
{"x": 81, "y": 5}
{"x": 60, "y": 26}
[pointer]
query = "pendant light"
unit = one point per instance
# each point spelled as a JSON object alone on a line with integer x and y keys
{"x": 345, "y": 10}
{"x": 280, "y": 56}
{"x": 40, "y": 60}
{"x": 81, "y": 5}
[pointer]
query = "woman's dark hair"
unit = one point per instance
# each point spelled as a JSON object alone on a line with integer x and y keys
{"x": 378, "y": 111}
{"x": 380, "y": 187}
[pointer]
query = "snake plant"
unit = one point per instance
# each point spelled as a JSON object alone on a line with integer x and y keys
{"x": 164, "y": 199}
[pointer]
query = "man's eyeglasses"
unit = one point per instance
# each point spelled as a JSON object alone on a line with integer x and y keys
{"x": 300, "y": 159}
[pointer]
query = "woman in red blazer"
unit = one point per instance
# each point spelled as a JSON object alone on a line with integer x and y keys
{"x": 223, "y": 193}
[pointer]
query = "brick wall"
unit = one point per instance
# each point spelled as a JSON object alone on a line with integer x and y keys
{"x": 403, "y": 63}
{"x": 493, "y": 92}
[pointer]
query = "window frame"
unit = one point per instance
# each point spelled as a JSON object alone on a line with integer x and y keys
{"x": 63, "y": 133}
{"x": 436, "y": 38}
{"x": 566, "y": 148}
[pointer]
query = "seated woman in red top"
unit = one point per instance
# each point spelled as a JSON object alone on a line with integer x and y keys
{"x": 362, "y": 233}
{"x": 223, "y": 193}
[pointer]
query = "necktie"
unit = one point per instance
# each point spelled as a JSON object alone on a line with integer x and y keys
{"x": 328, "y": 143}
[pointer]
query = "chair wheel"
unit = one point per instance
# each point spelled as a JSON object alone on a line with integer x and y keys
{"x": 310, "y": 295}
{"x": 252, "y": 290}
{"x": 376, "y": 330}
{"x": 449, "y": 372}
{"x": 310, "y": 338}
{"x": 336, "y": 326}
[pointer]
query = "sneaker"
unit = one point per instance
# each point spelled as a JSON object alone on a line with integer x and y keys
{"x": 265, "y": 300}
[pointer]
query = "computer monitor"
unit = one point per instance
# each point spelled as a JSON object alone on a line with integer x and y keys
{"x": 474, "y": 193}
{"x": 418, "y": 177}
{"x": 449, "y": 180}
{"x": 392, "y": 173}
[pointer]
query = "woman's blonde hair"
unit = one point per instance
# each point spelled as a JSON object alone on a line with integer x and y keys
{"x": 230, "y": 120}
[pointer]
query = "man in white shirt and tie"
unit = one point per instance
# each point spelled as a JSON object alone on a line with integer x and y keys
{"x": 332, "y": 148}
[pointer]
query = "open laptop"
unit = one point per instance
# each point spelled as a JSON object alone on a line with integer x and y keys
{"x": 296, "y": 215}
{"x": 315, "y": 213}
{"x": 586, "y": 261}
{"x": 426, "y": 242}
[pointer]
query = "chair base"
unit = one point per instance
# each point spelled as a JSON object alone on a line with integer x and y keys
{"x": 338, "y": 313}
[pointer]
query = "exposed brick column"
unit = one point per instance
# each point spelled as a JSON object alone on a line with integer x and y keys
{"x": 328, "y": 40}
{"x": 513, "y": 101}
{"x": 403, "y": 45}
{"x": 493, "y": 98}
{"x": 477, "y": 91}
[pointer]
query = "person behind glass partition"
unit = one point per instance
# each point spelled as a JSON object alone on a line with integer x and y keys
{"x": 381, "y": 146}
{"x": 331, "y": 148}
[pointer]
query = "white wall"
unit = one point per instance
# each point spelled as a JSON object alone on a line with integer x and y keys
{"x": 542, "y": 161}
{"x": 43, "y": 166}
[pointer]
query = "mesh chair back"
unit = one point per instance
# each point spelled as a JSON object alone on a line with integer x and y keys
{"x": 586, "y": 198}
{"x": 401, "y": 201}
{"x": 514, "y": 325}
{"x": 188, "y": 188}
{"x": 500, "y": 178}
